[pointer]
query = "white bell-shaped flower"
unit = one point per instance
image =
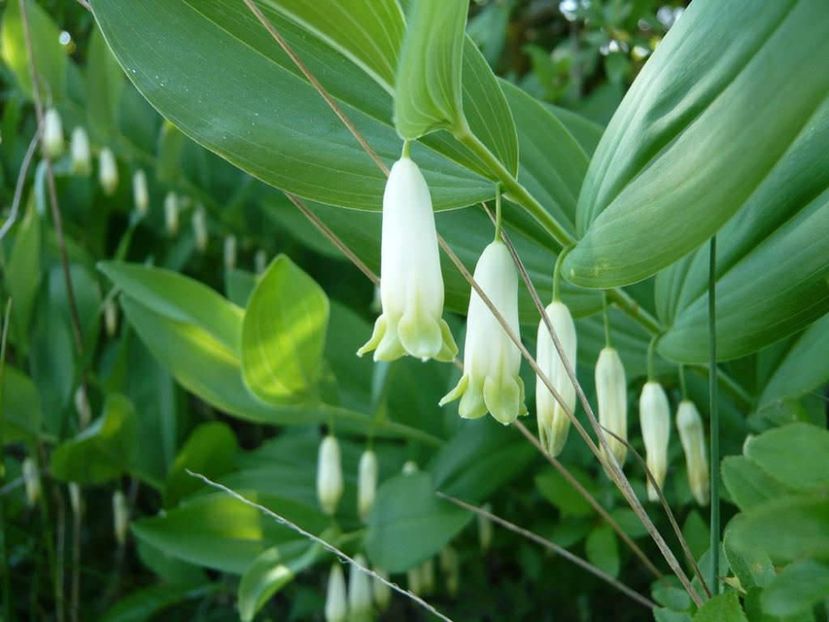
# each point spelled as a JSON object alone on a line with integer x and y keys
{"x": 491, "y": 361}
{"x": 199, "y": 223}
{"x": 260, "y": 261}
{"x": 75, "y": 498}
{"x": 655, "y": 419}
{"x": 411, "y": 284}
{"x": 120, "y": 516}
{"x": 81, "y": 153}
{"x": 140, "y": 194}
{"x": 692, "y": 436}
{"x": 52, "y": 134}
{"x": 230, "y": 252}
{"x": 553, "y": 422}
{"x": 451, "y": 569}
{"x": 336, "y": 605}
{"x": 329, "y": 475}
{"x": 366, "y": 483}
{"x": 110, "y": 317}
{"x": 31, "y": 480}
{"x": 107, "y": 171}
{"x": 611, "y": 394}
{"x": 359, "y": 592}
{"x": 171, "y": 210}
{"x": 82, "y": 407}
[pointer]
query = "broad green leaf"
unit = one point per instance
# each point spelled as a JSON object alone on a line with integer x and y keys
{"x": 751, "y": 566}
{"x": 722, "y": 608}
{"x": 147, "y": 602}
{"x": 220, "y": 532}
{"x": 804, "y": 368}
{"x": 682, "y": 153}
{"x": 428, "y": 80}
{"x": 409, "y": 524}
{"x": 797, "y": 455}
{"x": 105, "y": 81}
{"x": 270, "y": 572}
{"x": 748, "y": 484}
{"x": 23, "y": 274}
{"x": 184, "y": 57}
{"x": 558, "y": 491}
{"x": 602, "y": 549}
{"x": 20, "y": 406}
{"x": 209, "y": 450}
{"x": 50, "y": 55}
{"x": 102, "y": 452}
{"x": 797, "y": 589}
{"x": 283, "y": 333}
{"x": 667, "y": 593}
{"x": 787, "y": 529}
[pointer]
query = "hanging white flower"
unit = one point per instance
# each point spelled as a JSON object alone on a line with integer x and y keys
{"x": 120, "y": 516}
{"x": 107, "y": 171}
{"x": 81, "y": 153}
{"x": 75, "y": 499}
{"x": 655, "y": 420}
{"x": 110, "y": 317}
{"x": 82, "y": 407}
{"x": 451, "y": 569}
{"x": 31, "y": 480}
{"x": 230, "y": 252}
{"x": 336, "y": 605}
{"x": 260, "y": 261}
{"x": 692, "y": 436}
{"x": 366, "y": 483}
{"x": 140, "y": 194}
{"x": 329, "y": 475}
{"x": 199, "y": 223}
{"x": 171, "y": 210}
{"x": 491, "y": 361}
{"x": 611, "y": 394}
{"x": 52, "y": 134}
{"x": 553, "y": 422}
{"x": 359, "y": 592}
{"x": 411, "y": 284}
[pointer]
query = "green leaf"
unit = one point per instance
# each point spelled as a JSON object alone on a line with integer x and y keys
{"x": 146, "y": 603}
{"x": 409, "y": 524}
{"x": 49, "y": 53}
{"x": 23, "y": 273}
{"x": 787, "y": 529}
{"x": 209, "y": 450}
{"x": 797, "y": 455}
{"x": 270, "y": 572}
{"x": 558, "y": 491}
{"x": 220, "y": 532}
{"x": 20, "y": 406}
{"x": 283, "y": 333}
{"x": 105, "y": 82}
{"x": 722, "y": 608}
{"x": 602, "y": 549}
{"x": 102, "y": 452}
{"x": 184, "y": 57}
{"x": 428, "y": 82}
{"x": 797, "y": 589}
{"x": 804, "y": 367}
{"x": 752, "y": 566}
{"x": 682, "y": 155}
{"x": 748, "y": 484}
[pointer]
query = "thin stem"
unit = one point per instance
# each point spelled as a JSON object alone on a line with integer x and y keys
{"x": 682, "y": 388}
{"x": 606, "y": 321}
{"x": 407, "y": 149}
{"x": 21, "y": 179}
{"x": 498, "y": 220}
{"x": 557, "y": 276}
{"x": 514, "y": 189}
{"x": 75, "y": 589}
{"x": 714, "y": 414}
{"x": 316, "y": 539}
{"x": 590, "y": 499}
{"x": 651, "y": 356}
{"x": 555, "y": 548}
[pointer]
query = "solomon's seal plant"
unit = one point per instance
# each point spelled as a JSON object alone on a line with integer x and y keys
{"x": 655, "y": 421}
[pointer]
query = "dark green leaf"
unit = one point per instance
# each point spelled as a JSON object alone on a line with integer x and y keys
{"x": 797, "y": 589}
{"x": 722, "y": 608}
{"x": 209, "y": 450}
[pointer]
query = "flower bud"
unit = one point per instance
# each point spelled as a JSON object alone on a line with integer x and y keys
{"x": 336, "y": 606}
{"x": 107, "y": 171}
{"x": 82, "y": 407}
{"x": 359, "y": 592}
{"x": 31, "y": 480}
{"x": 655, "y": 419}
{"x": 491, "y": 361}
{"x": 411, "y": 284}
{"x": 485, "y": 529}
{"x": 692, "y": 436}
{"x": 52, "y": 134}
{"x": 611, "y": 393}
{"x": 75, "y": 499}
{"x": 110, "y": 317}
{"x": 260, "y": 261}
{"x": 382, "y": 592}
{"x": 451, "y": 569}
{"x": 199, "y": 222}
{"x": 120, "y": 516}
{"x": 427, "y": 576}
{"x": 171, "y": 214}
{"x": 140, "y": 194}
{"x": 81, "y": 153}
{"x": 409, "y": 467}
{"x": 553, "y": 422}
{"x": 230, "y": 252}
{"x": 413, "y": 580}
{"x": 329, "y": 475}
{"x": 366, "y": 483}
